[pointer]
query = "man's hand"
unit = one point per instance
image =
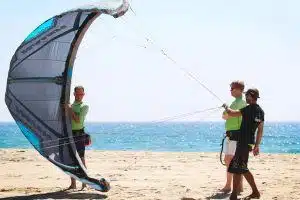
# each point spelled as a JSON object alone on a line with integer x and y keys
{"x": 256, "y": 150}
{"x": 68, "y": 106}
{"x": 225, "y": 106}
{"x": 225, "y": 116}
{"x": 75, "y": 117}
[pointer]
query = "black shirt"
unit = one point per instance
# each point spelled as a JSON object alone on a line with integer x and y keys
{"x": 252, "y": 116}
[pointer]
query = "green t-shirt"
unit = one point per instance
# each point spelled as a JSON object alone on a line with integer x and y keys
{"x": 234, "y": 123}
{"x": 80, "y": 109}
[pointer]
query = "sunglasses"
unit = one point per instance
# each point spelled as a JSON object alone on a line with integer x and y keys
{"x": 79, "y": 94}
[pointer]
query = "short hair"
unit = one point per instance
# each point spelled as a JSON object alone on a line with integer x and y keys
{"x": 238, "y": 84}
{"x": 78, "y": 87}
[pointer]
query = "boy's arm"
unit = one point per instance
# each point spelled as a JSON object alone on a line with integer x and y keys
{"x": 232, "y": 113}
{"x": 225, "y": 116}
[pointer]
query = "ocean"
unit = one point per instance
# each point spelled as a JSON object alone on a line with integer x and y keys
{"x": 166, "y": 136}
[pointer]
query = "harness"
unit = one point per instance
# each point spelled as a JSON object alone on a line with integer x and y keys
{"x": 86, "y": 137}
{"x": 232, "y": 135}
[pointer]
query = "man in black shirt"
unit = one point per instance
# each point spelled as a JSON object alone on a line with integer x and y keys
{"x": 252, "y": 120}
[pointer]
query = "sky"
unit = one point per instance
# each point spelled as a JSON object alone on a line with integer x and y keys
{"x": 127, "y": 78}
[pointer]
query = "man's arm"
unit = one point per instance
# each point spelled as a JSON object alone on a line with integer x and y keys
{"x": 72, "y": 113}
{"x": 259, "y": 134}
{"x": 75, "y": 117}
{"x": 258, "y": 138}
{"x": 83, "y": 112}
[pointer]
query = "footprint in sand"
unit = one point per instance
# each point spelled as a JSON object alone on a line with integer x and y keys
{"x": 7, "y": 190}
{"x": 116, "y": 175}
{"x": 165, "y": 167}
{"x": 14, "y": 160}
{"x": 203, "y": 156}
{"x": 14, "y": 175}
{"x": 45, "y": 177}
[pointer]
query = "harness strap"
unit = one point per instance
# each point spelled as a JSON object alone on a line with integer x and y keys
{"x": 222, "y": 145}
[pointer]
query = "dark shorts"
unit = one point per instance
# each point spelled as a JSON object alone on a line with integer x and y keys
{"x": 239, "y": 162}
{"x": 79, "y": 140}
{"x": 233, "y": 135}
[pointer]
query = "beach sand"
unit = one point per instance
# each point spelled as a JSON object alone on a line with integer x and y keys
{"x": 145, "y": 175}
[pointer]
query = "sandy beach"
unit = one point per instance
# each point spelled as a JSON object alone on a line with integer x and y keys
{"x": 145, "y": 175}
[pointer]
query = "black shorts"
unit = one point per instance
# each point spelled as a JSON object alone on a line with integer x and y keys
{"x": 79, "y": 139}
{"x": 239, "y": 162}
{"x": 233, "y": 135}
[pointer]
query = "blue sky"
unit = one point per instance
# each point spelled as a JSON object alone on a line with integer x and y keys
{"x": 217, "y": 41}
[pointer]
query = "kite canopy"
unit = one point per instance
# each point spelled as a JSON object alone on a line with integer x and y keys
{"x": 39, "y": 81}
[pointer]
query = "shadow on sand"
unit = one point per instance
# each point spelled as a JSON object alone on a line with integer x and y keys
{"x": 187, "y": 198}
{"x": 219, "y": 195}
{"x": 59, "y": 195}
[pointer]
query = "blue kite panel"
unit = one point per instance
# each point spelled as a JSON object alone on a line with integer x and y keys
{"x": 41, "y": 29}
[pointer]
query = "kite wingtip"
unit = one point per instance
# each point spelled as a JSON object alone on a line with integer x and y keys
{"x": 105, "y": 186}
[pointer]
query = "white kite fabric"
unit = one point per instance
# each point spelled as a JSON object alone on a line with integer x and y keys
{"x": 39, "y": 81}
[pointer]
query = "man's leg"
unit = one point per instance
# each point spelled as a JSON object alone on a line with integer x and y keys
{"x": 73, "y": 183}
{"x": 238, "y": 166}
{"x": 236, "y": 184}
{"x": 83, "y": 161}
{"x": 241, "y": 187}
{"x": 250, "y": 179}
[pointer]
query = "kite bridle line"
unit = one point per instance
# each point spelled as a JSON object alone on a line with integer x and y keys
{"x": 164, "y": 53}
{"x": 165, "y": 119}
{"x": 142, "y": 157}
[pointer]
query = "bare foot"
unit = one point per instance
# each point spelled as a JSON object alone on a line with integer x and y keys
{"x": 239, "y": 192}
{"x": 254, "y": 195}
{"x": 71, "y": 187}
{"x": 233, "y": 197}
{"x": 226, "y": 190}
{"x": 83, "y": 186}
{"x": 240, "y": 189}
